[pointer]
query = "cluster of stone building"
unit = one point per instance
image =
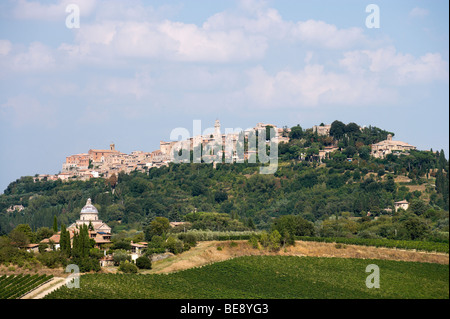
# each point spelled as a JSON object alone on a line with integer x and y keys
{"x": 389, "y": 146}
{"x": 379, "y": 150}
{"x": 106, "y": 162}
{"x": 226, "y": 144}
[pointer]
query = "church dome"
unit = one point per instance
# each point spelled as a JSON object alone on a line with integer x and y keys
{"x": 89, "y": 208}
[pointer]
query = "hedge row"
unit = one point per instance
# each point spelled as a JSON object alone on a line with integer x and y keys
{"x": 387, "y": 243}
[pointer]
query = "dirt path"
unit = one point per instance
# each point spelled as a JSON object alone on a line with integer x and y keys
{"x": 209, "y": 252}
{"x": 45, "y": 289}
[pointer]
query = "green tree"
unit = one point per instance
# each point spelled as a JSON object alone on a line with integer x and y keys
{"x": 350, "y": 151}
{"x": 82, "y": 243}
{"x": 337, "y": 129}
{"x": 128, "y": 268}
{"x": 293, "y": 225}
{"x": 220, "y": 196}
{"x": 174, "y": 245}
{"x": 275, "y": 240}
{"x": 26, "y": 230}
{"x": 364, "y": 153}
{"x": 198, "y": 189}
{"x": 143, "y": 263}
{"x": 64, "y": 241}
{"x": 296, "y": 132}
{"x": 418, "y": 207}
{"x": 43, "y": 233}
{"x": 18, "y": 238}
{"x": 352, "y": 128}
{"x": 55, "y": 224}
{"x": 120, "y": 256}
{"x": 159, "y": 227}
{"x": 415, "y": 228}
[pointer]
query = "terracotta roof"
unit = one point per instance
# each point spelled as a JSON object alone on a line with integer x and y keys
{"x": 104, "y": 151}
{"x": 101, "y": 240}
{"x": 388, "y": 142}
{"x": 55, "y": 238}
{"x": 138, "y": 245}
{"x": 107, "y": 258}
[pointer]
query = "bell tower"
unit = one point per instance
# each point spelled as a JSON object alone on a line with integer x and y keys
{"x": 217, "y": 129}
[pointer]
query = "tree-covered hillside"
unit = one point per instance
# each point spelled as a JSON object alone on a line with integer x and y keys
{"x": 332, "y": 193}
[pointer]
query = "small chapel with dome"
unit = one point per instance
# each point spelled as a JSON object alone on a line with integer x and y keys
{"x": 89, "y": 216}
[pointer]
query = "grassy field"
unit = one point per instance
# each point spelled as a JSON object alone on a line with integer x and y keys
{"x": 271, "y": 277}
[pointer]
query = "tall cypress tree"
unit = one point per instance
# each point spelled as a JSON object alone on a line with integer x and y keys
{"x": 55, "y": 224}
{"x": 442, "y": 162}
{"x": 65, "y": 240}
{"x": 82, "y": 244}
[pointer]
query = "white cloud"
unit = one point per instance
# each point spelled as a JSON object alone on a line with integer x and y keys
{"x": 397, "y": 68}
{"x": 165, "y": 40}
{"x": 418, "y": 12}
{"x": 322, "y": 34}
{"x": 37, "y": 57}
{"x": 227, "y": 36}
{"x": 33, "y": 59}
{"x": 268, "y": 22}
{"x": 5, "y": 47}
{"x": 32, "y": 10}
{"x": 363, "y": 78}
{"x": 313, "y": 86}
{"x": 360, "y": 77}
{"x": 197, "y": 44}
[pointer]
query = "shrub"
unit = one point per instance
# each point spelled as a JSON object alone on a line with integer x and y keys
{"x": 189, "y": 239}
{"x": 175, "y": 246}
{"x": 144, "y": 263}
{"x": 128, "y": 267}
{"x": 253, "y": 241}
{"x": 120, "y": 256}
{"x": 51, "y": 259}
{"x": 233, "y": 244}
{"x": 275, "y": 240}
{"x": 153, "y": 251}
{"x": 87, "y": 264}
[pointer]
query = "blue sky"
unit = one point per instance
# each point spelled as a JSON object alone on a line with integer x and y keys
{"x": 136, "y": 70}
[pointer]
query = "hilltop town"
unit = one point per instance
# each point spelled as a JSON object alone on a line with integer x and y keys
{"x": 106, "y": 162}
{"x": 339, "y": 182}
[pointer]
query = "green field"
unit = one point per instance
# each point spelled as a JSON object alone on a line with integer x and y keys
{"x": 15, "y": 286}
{"x": 271, "y": 277}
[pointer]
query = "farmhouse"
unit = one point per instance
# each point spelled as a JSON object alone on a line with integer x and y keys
{"x": 401, "y": 204}
{"x": 383, "y": 148}
{"x": 55, "y": 240}
{"x": 322, "y": 129}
